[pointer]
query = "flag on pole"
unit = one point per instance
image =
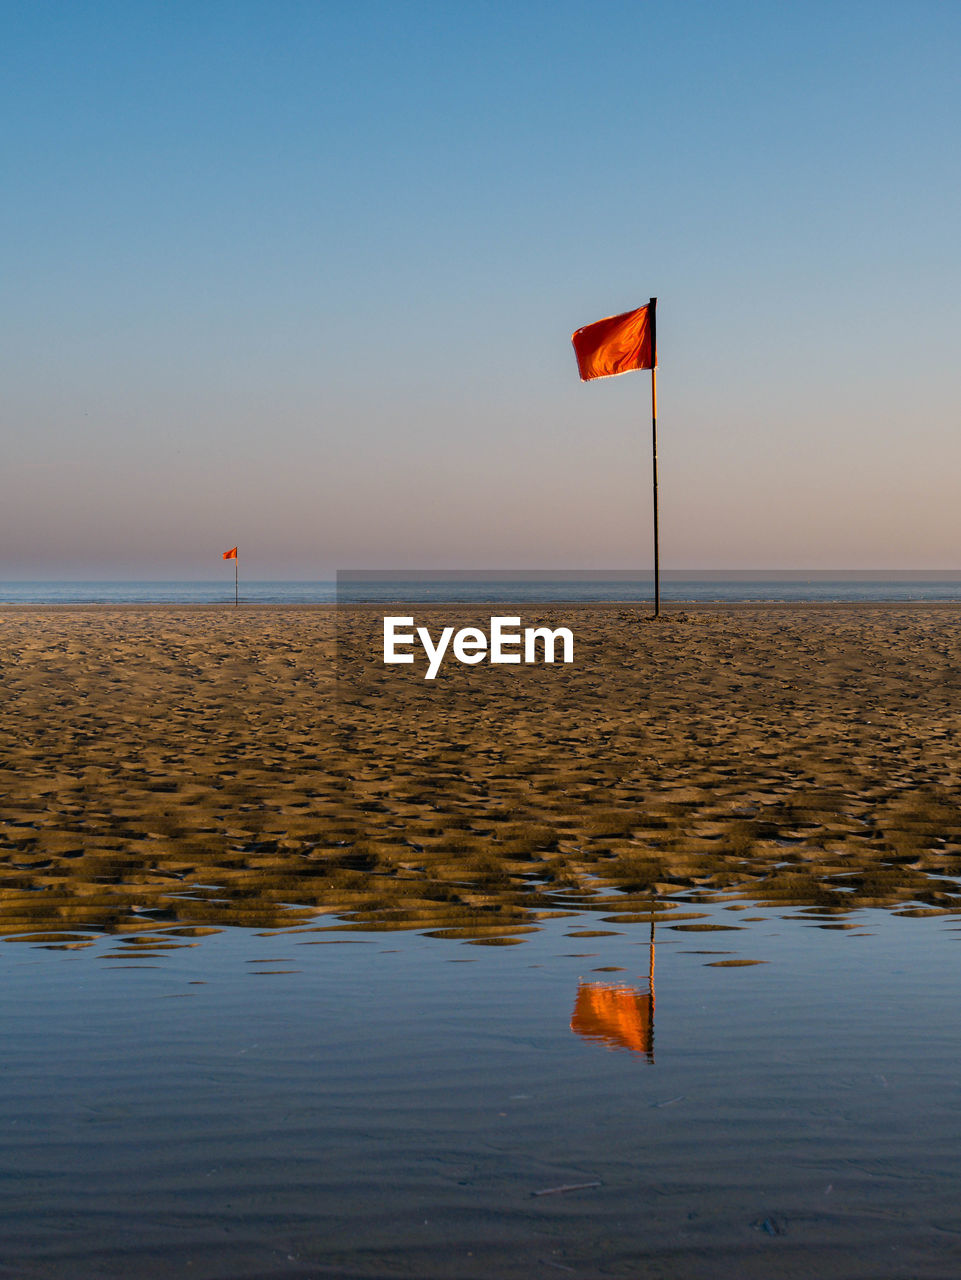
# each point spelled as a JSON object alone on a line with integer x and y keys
{"x": 616, "y": 344}
{"x": 232, "y": 555}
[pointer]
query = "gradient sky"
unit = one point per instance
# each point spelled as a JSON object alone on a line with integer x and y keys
{"x": 302, "y": 277}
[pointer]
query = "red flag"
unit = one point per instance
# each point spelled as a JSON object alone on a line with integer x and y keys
{"x": 616, "y": 344}
{"x": 231, "y": 554}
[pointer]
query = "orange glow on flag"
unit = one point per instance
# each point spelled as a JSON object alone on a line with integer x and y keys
{"x": 618, "y": 1017}
{"x": 616, "y": 344}
{"x": 231, "y": 554}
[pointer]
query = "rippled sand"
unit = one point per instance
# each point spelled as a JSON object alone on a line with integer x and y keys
{"x": 169, "y": 770}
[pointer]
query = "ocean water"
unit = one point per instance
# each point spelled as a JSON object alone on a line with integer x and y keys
{"x": 149, "y": 592}
{"x": 473, "y": 588}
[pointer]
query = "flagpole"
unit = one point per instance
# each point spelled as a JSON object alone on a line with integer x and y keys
{"x": 657, "y": 556}
{"x": 236, "y": 581}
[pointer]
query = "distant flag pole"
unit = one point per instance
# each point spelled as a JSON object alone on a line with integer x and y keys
{"x": 232, "y": 555}
{"x": 618, "y": 344}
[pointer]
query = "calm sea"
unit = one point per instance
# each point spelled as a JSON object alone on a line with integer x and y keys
{"x": 470, "y": 588}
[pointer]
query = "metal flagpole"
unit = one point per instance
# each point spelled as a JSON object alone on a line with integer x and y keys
{"x": 236, "y": 580}
{"x": 657, "y": 558}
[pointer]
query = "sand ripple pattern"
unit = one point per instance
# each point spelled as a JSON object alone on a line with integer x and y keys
{"x": 168, "y": 771}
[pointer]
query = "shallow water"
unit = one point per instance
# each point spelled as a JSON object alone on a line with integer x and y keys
{"x": 257, "y": 1104}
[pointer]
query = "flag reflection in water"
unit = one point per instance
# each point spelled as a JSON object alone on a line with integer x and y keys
{"x": 616, "y": 1015}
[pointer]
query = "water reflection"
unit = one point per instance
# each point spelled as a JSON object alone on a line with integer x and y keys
{"x": 617, "y": 1015}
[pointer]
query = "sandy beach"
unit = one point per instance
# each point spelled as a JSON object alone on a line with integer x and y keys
{"x": 317, "y": 1094}
{"x": 181, "y": 769}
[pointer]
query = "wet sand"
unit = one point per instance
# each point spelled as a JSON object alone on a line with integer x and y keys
{"x": 174, "y": 768}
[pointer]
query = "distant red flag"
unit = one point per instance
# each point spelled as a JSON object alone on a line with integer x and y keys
{"x": 616, "y": 344}
{"x": 231, "y": 554}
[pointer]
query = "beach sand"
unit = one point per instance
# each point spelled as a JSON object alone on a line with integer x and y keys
{"x": 170, "y": 770}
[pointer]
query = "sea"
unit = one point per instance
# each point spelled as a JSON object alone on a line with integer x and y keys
{"x": 482, "y": 587}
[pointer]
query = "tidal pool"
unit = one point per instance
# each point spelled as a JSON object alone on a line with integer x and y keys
{"x": 345, "y": 1103}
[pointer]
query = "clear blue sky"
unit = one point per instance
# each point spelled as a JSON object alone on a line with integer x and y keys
{"x": 302, "y": 277}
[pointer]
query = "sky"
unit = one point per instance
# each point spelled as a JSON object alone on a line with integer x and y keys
{"x": 301, "y": 277}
